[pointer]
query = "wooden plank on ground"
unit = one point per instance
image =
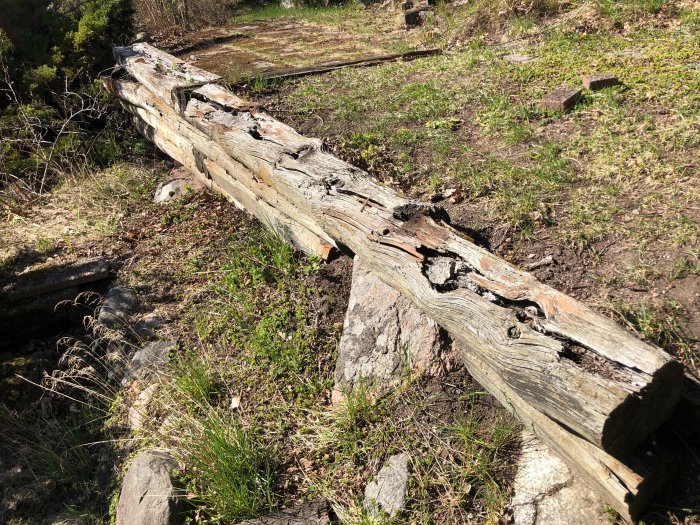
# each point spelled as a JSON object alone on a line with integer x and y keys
{"x": 326, "y": 67}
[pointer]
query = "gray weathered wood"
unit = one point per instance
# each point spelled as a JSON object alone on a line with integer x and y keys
{"x": 153, "y": 111}
{"x": 41, "y": 282}
{"x": 593, "y": 377}
{"x": 165, "y": 75}
{"x": 627, "y": 484}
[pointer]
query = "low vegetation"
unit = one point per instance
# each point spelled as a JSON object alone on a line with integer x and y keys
{"x": 246, "y": 406}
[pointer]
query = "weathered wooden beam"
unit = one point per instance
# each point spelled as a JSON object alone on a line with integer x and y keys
{"x": 577, "y": 366}
{"x": 572, "y": 364}
{"x": 143, "y": 103}
{"x": 595, "y": 389}
{"x": 165, "y": 75}
{"x": 627, "y": 484}
{"x": 46, "y": 280}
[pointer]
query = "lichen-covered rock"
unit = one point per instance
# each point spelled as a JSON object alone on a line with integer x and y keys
{"x": 149, "y": 494}
{"x": 384, "y": 334}
{"x": 388, "y": 490}
{"x": 547, "y": 493}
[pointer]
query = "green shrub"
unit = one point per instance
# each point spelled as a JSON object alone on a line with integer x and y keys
{"x": 53, "y": 115}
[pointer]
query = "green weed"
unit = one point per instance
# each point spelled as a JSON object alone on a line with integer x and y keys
{"x": 231, "y": 467}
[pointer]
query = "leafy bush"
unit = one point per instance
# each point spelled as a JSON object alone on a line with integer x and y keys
{"x": 52, "y": 114}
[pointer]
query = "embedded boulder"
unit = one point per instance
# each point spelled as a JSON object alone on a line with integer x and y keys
{"x": 118, "y": 304}
{"x": 148, "y": 360}
{"x": 384, "y": 335}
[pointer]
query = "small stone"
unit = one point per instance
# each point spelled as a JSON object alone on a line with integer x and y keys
{"x": 388, "y": 490}
{"x": 170, "y": 190}
{"x": 142, "y": 36}
{"x": 440, "y": 270}
{"x": 145, "y": 327}
{"x": 104, "y": 471}
{"x": 562, "y": 99}
{"x": 149, "y": 492}
{"x": 595, "y": 82}
{"x": 138, "y": 409}
{"x": 120, "y": 301}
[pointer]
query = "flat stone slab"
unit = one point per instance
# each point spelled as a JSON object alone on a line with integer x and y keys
{"x": 562, "y": 99}
{"x": 388, "y": 490}
{"x": 547, "y": 493}
{"x": 384, "y": 335}
{"x": 600, "y": 81}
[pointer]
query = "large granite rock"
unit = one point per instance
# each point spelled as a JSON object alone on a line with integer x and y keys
{"x": 388, "y": 490}
{"x": 149, "y": 494}
{"x": 384, "y": 335}
{"x": 547, "y": 493}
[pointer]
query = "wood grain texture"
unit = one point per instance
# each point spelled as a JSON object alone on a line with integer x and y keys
{"x": 572, "y": 364}
{"x": 627, "y": 484}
